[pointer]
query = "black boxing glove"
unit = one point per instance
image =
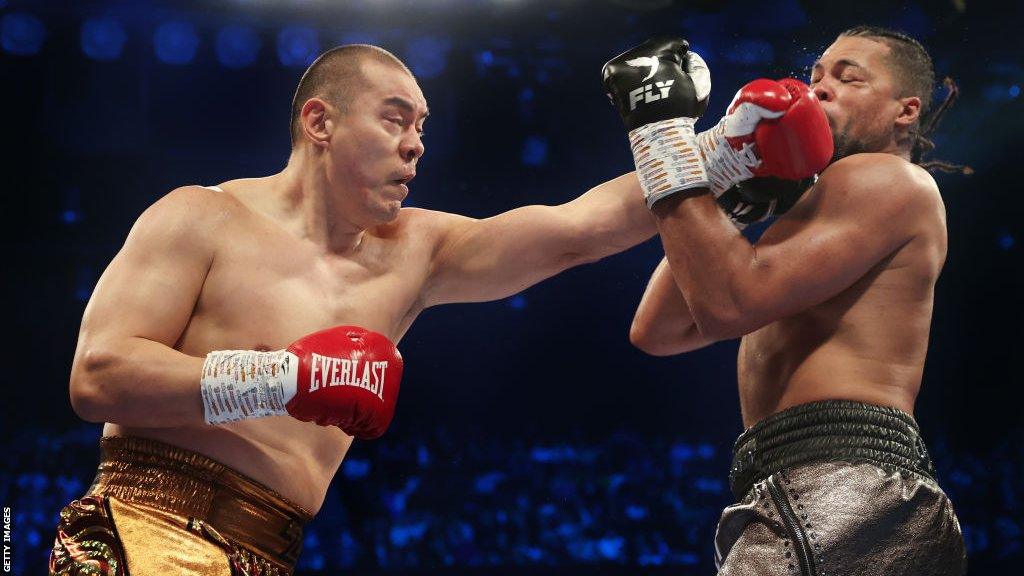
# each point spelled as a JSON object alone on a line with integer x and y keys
{"x": 660, "y": 88}
{"x": 761, "y": 197}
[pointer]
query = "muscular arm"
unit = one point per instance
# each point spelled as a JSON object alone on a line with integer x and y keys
{"x": 663, "y": 325}
{"x": 126, "y": 369}
{"x": 862, "y": 209}
{"x": 479, "y": 260}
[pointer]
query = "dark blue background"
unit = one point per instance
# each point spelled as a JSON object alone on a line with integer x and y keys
{"x": 108, "y": 105}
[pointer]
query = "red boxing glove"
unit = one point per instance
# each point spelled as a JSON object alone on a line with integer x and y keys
{"x": 772, "y": 128}
{"x": 344, "y": 376}
{"x": 348, "y": 377}
{"x": 786, "y": 121}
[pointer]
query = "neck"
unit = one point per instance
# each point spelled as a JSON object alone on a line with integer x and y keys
{"x": 900, "y": 145}
{"x": 311, "y": 209}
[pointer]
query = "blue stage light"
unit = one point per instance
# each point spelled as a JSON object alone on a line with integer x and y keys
{"x": 354, "y": 469}
{"x": 427, "y": 56}
{"x": 751, "y": 53}
{"x": 22, "y": 34}
{"x": 85, "y": 281}
{"x": 297, "y": 46}
{"x": 517, "y": 302}
{"x": 611, "y": 547}
{"x": 998, "y": 92}
{"x": 1014, "y": 91}
{"x": 175, "y": 43}
{"x": 1006, "y": 241}
{"x": 360, "y": 37}
{"x": 237, "y": 46}
{"x": 103, "y": 39}
{"x": 535, "y": 151}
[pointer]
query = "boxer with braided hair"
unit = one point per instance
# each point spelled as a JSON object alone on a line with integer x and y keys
{"x": 832, "y": 303}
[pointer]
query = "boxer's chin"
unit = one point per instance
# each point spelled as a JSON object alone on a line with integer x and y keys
{"x": 390, "y": 211}
{"x": 843, "y": 146}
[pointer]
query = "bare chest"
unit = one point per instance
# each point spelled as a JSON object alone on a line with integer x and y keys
{"x": 266, "y": 294}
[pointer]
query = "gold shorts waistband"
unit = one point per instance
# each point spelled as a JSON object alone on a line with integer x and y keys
{"x": 176, "y": 480}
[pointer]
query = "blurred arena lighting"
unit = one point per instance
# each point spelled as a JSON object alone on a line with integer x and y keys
{"x": 85, "y": 280}
{"x": 484, "y": 60}
{"x": 751, "y": 53}
{"x": 175, "y": 43}
{"x": 517, "y": 302}
{"x": 102, "y": 38}
{"x": 359, "y": 37}
{"x": 72, "y": 205}
{"x": 535, "y": 151}
{"x": 1006, "y": 240}
{"x": 914, "y": 21}
{"x": 785, "y": 15}
{"x": 1000, "y": 92}
{"x": 427, "y": 56}
{"x": 21, "y": 34}
{"x": 643, "y": 4}
{"x": 237, "y": 46}
{"x": 297, "y": 46}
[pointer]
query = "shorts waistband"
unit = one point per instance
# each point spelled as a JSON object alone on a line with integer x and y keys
{"x": 829, "y": 430}
{"x": 179, "y": 481}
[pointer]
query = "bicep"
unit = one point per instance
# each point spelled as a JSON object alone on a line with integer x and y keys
{"x": 813, "y": 254}
{"x": 663, "y": 324}
{"x": 492, "y": 258}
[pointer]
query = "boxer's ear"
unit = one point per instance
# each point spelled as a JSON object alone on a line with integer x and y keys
{"x": 315, "y": 120}
{"x": 910, "y": 113}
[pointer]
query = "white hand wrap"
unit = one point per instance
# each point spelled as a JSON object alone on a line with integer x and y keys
{"x": 726, "y": 166}
{"x": 667, "y": 159}
{"x": 244, "y": 384}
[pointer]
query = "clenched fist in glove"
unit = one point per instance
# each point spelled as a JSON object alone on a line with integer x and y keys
{"x": 344, "y": 376}
{"x": 772, "y": 128}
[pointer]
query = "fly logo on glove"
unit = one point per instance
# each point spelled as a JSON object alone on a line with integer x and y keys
{"x": 646, "y": 93}
{"x": 645, "y": 62}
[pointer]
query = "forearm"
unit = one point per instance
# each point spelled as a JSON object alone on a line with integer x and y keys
{"x": 610, "y": 218}
{"x": 663, "y": 324}
{"x": 710, "y": 261}
{"x": 136, "y": 382}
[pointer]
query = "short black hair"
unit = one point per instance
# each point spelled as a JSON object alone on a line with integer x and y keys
{"x": 333, "y": 75}
{"x": 911, "y": 64}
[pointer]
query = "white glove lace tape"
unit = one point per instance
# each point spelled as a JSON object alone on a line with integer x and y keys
{"x": 726, "y": 166}
{"x": 244, "y": 384}
{"x": 666, "y": 157}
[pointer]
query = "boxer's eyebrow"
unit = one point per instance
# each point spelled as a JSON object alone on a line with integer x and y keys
{"x": 848, "y": 62}
{"x": 840, "y": 62}
{"x": 406, "y": 105}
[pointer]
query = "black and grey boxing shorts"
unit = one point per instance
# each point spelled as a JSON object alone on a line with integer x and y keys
{"x": 836, "y": 487}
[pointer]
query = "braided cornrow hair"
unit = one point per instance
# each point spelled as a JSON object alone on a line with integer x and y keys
{"x": 914, "y": 67}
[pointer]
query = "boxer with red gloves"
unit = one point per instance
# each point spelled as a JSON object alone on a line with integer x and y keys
{"x": 223, "y": 424}
{"x": 832, "y": 302}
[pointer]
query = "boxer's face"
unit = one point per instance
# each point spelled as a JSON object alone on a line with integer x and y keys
{"x": 377, "y": 143}
{"x": 859, "y": 95}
